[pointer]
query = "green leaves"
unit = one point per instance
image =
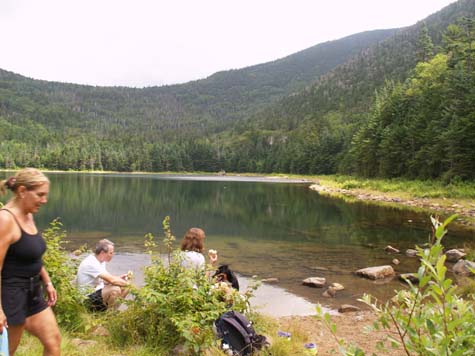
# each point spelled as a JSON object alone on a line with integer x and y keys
{"x": 69, "y": 308}
{"x": 175, "y": 305}
{"x": 428, "y": 319}
{"x": 431, "y": 319}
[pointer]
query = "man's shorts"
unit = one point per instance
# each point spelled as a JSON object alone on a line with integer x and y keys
{"x": 22, "y": 298}
{"x": 94, "y": 301}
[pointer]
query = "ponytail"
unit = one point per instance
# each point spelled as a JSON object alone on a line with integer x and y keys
{"x": 5, "y": 184}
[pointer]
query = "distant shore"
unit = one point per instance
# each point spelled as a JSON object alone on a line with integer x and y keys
{"x": 441, "y": 206}
{"x": 432, "y": 197}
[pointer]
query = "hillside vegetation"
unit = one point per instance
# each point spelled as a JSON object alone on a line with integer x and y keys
{"x": 310, "y": 112}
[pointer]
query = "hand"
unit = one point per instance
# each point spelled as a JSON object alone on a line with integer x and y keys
{"x": 3, "y": 321}
{"x": 52, "y": 295}
{"x": 213, "y": 256}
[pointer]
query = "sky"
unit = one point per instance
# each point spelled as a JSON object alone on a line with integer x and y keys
{"x": 140, "y": 43}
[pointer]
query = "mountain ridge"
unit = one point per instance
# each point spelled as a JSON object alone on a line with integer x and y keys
{"x": 294, "y": 114}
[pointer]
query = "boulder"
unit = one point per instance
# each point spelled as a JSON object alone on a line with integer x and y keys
{"x": 390, "y": 249}
{"x": 337, "y": 286}
{"x": 270, "y": 280}
{"x": 395, "y": 261}
{"x": 100, "y": 331}
{"x": 377, "y": 272}
{"x": 462, "y": 267}
{"x": 329, "y": 293}
{"x": 412, "y": 277}
{"x": 315, "y": 282}
{"x": 454, "y": 255}
{"x": 411, "y": 252}
{"x": 345, "y": 308}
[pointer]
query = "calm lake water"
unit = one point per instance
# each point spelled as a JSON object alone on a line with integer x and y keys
{"x": 281, "y": 230}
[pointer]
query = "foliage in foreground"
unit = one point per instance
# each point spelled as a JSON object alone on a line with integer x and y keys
{"x": 429, "y": 318}
{"x": 175, "y": 306}
{"x": 69, "y": 309}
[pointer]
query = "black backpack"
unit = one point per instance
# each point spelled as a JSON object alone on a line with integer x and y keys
{"x": 238, "y": 334}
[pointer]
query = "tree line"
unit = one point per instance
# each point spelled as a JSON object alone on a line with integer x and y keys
{"x": 417, "y": 126}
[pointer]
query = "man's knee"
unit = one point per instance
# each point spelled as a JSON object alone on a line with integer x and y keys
{"x": 110, "y": 294}
{"x": 115, "y": 291}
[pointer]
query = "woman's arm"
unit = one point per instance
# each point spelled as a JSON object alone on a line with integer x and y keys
{"x": 52, "y": 295}
{"x": 7, "y": 228}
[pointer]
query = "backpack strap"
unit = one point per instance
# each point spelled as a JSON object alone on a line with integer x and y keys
{"x": 244, "y": 322}
{"x": 242, "y": 330}
{"x": 237, "y": 325}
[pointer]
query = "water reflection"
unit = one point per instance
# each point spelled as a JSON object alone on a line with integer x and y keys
{"x": 272, "y": 230}
{"x": 129, "y": 205}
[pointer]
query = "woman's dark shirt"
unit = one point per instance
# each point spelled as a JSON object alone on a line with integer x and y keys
{"x": 24, "y": 257}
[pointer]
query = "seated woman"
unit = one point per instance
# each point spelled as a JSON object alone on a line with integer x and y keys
{"x": 192, "y": 246}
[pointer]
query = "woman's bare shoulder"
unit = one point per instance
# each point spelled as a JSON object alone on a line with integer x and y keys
{"x": 5, "y": 216}
{"x": 8, "y": 225}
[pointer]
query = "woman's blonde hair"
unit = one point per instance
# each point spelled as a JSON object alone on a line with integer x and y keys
{"x": 30, "y": 178}
{"x": 193, "y": 240}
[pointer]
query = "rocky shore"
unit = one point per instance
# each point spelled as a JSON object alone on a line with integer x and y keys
{"x": 444, "y": 207}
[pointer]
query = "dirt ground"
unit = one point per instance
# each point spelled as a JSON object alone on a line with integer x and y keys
{"x": 350, "y": 327}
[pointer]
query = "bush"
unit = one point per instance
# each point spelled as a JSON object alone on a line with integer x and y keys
{"x": 69, "y": 308}
{"x": 176, "y": 306}
{"x": 429, "y": 317}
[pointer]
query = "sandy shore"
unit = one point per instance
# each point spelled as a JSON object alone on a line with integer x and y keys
{"x": 350, "y": 327}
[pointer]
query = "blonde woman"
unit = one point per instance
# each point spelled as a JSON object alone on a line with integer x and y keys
{"x": 23, "y": 276}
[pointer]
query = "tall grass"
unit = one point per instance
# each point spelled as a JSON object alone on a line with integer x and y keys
{"x": 415, "y": 188}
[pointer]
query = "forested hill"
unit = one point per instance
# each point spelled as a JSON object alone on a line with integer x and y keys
{"x": 235, "y": 94}
{"x": 205, "y": 104}
{"x": 297, "y": 114}
{"x": 313, "y": 131}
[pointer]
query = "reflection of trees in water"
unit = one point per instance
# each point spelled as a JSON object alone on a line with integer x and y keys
{"x": 134, "y": 205}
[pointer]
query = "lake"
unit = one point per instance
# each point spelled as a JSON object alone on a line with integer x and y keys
{"x": 269, "y": 228}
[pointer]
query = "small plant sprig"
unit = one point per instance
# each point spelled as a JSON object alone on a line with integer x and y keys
{"x": 169, "y": 238}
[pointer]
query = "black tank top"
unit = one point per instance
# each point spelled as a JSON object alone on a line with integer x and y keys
{"x": 23, "y": 258}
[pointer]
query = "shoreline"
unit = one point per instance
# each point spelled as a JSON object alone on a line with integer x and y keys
{"x": 465, "y": 209}
{"x": 331, "y": 186}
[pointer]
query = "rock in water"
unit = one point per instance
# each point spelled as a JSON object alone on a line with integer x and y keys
{"x": 315, "y": 282}
{"x": 377, "y": 272}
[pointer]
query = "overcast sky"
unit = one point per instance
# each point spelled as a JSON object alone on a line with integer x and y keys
{"x": 141, "y": 43}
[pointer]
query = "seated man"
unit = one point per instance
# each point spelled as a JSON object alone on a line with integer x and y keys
{"x": 93, "y": 276}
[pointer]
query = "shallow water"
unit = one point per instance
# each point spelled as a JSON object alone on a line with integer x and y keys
{"x": 260, "y": 227}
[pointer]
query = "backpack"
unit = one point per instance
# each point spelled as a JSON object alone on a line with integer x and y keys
{"x": 238, "y": 335}
{"x": 224, "y": 274}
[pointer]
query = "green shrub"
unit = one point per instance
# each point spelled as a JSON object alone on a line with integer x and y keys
{"x": 176, "y": 306}
{"x": 69, "y": 309}
{"x": 352, "y": 184}
{"x": 429, "y": 317}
